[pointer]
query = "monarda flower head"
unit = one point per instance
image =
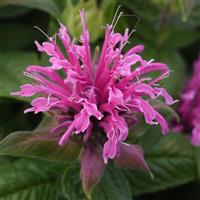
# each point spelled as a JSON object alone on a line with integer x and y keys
{"x": 189, "y": 108}
{"x": 97, "y": 99}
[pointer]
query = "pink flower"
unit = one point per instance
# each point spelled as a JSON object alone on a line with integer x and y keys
{"x": 189, "y": 108}
{"x": 97, "y": 100}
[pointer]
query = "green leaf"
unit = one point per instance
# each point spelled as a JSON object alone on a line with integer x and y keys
{"x": 137, "y": 131}
{"x": 12, "y": 11}
{"x": 169, "y": 37}
{"x": 175, "y": 63}
{"x": 11, "y": 36}
{"x": 71, "y": 18}
{"x": 46, "y": 5}
{"x": 96, "y": 17}
{"x": 177, "y": 66}
{"x": 194, "y": 17}
{"x": 30, "y": 179}
{"x": 197, "y": 157}
{"x": 160, "y": 48}
{"x": 40, "y": 144}
{"x": 113, "y": 185}
{"x": 171, "y": 159}
{"x": 11, "y": 71}
{"x": 61, "y": 4}
{"x": 145, "y": 9}
{"x": 180, "y": 38}
{"x": 71, "y": 183}
{"x": 167, "y": 111}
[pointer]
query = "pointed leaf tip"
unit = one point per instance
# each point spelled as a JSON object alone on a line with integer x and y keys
{"x": 92, "y": 168}
{"x": 131, "y": 157}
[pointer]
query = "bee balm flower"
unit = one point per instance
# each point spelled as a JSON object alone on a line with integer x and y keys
{"x": 190, "y": 106}
{"x": 97, "y": 100}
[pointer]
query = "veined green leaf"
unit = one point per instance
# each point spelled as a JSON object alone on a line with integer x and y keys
{"x": 30, "y": 179}
{"x": 113, "y": 186}
{"x": 40, "y": 144}
{"x": 12, "y": 66}
{"x": 46, "y": 5}
{"x": 171, "y": 160}
{"x": 71, "y": 183}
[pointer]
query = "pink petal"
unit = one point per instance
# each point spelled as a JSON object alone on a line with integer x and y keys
{"x": 148, "y": 111}
{"x": 27, "y": 90}
{"x": 42, "y": 104}
{"x": 66, "y": 135}
{"x": 196, "y": 136}
{"x": 81, "y": 121}
{"x": 144, "y": 89}
{"x": 162, "y": 92}
{"x": 115, "y": 96}
{"x": 164, "y": 126}
{"x": 64, "y": 34}
{"x": 131, "y": 60}
{"x": 135, "y": 49}
{"x": 109, "y": 150}
{"x": 58, "y": 64}
{"x": 91, "y": 109}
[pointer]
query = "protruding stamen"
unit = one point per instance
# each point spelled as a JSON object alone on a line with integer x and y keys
{"x": 48, "y": 98}
{"x": 29, "y": 75}
{"x": 115, "y": 15}
{"x": 36, "y": 27}
{"x": 120, "y": 14}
